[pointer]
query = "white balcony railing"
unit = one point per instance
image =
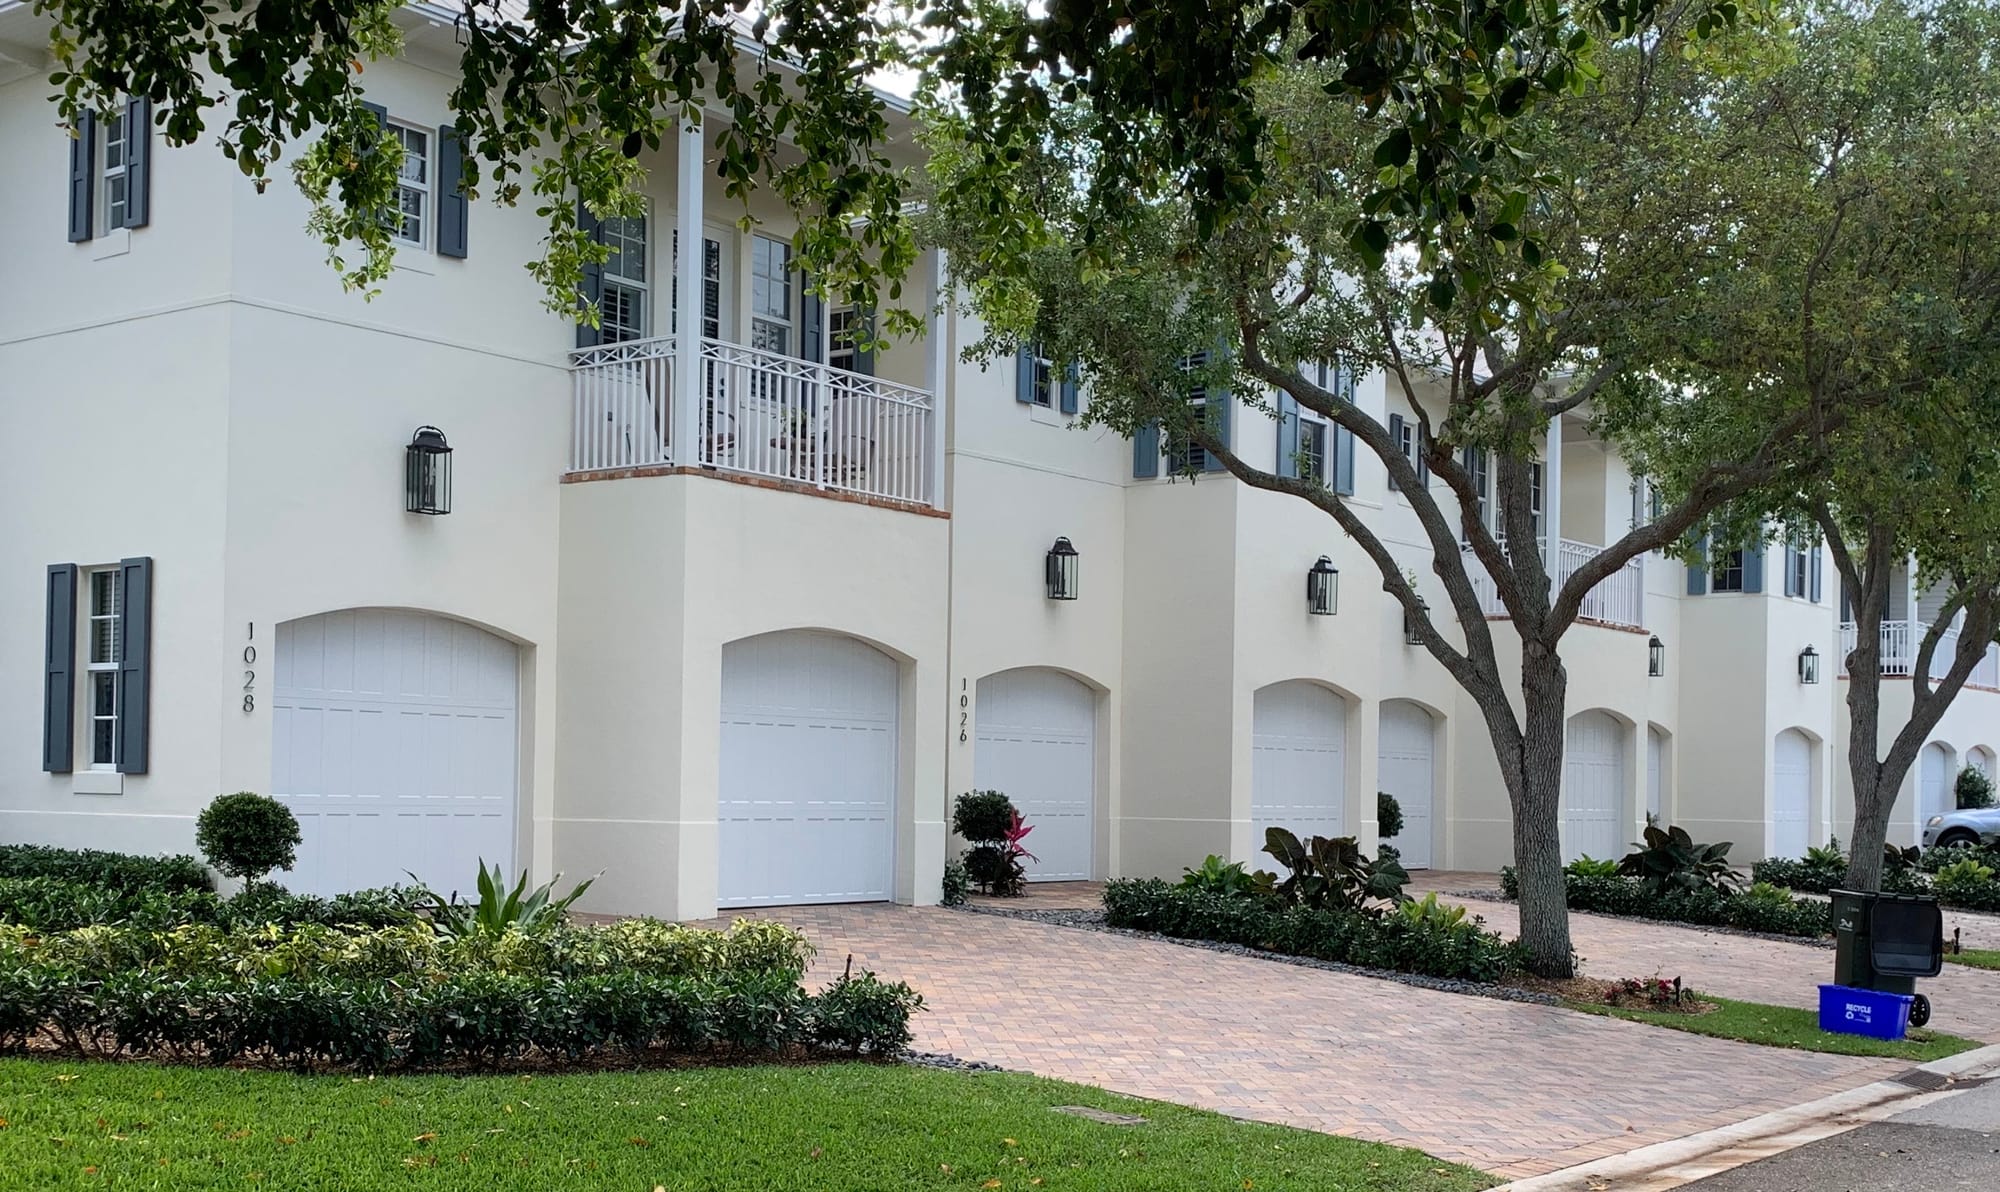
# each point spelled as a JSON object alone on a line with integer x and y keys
{"x": 1901, "y": 641}
{"x": 763, "y": 414}
{"x": 1618, "y": 599}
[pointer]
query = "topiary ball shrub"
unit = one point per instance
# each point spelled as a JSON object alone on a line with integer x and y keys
{"x": 982, "y": 817}
{"x": 1388, "y": 815}
{"x": 1974, "y": 789}
{"x": 247, "y": 835}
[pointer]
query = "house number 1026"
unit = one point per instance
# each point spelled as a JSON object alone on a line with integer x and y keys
{"x": 250, "y": 675}
{"x": 964, "y": 717}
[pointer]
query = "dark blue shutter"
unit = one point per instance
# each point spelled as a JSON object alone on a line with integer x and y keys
{"x": 1812, "y": 573}
{"x": 135, "y": 664}
{"x": 1024, "y": 375}
{"x": 454, "y": 211}
{"x": 812, "y": 308}
{"x": 1343, "y": 439}
{"x": 1396, "y": 437}
{"x": 591, "y": 293}
{"x": 59, "y": 685}
{"x": 1217, "y": 411}
{"x": 1753, "y": 566}
{"x": 1288, "y": 435}
{"x": 83, "y": 179}
{"x": 1068, "y": 396}
{"x": 864, "y": 349}
{"x": 138, "y": 162}
{"x": 1146, "y": 451}
{"x": 1697, "y": 568}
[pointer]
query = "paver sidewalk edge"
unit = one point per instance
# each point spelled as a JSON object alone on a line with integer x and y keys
{"x": 1665, "y": 1165}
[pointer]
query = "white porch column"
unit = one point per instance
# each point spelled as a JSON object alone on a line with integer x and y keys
{"x": 688, "y": 269}
{"x": 1552, "y": 470}
{"x": 937, "y": 374}
{"x": 1914, "y": 638}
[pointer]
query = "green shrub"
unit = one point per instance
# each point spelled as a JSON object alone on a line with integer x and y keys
{"x": 957, "y": 883}
{"x": 990, "y": 823}
{"x": 1219, "y": 877}
{"x": 247, "y": 835}
{"x": 52, "y": 904}
{"x": 1771, "y": 910}
{"x": 981, "y": 817}
{"x": 1967, "y": 882}
{"x": 1331, "y": 872}
{"x": 1669, "y": 859}
{"x": 1435, "y": 943}
{"x": 113, "y": 871}
{"x": 264, "y": 902}
{"x": 500, "y": 909}
{"x": 1823, "y": 868}
{"x": 1388, "y": 815}
{"x": 1588, "y": 866}
{"x": 1973, "y": 788}
{"x": 864, "y": 1013}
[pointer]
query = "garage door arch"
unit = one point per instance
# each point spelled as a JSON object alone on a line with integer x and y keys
{"x": 1936, "y": 794}
{"x": 1406, "y": 767}
{"x": 1593, "y": 789}
{"x": 807, "y": 770}
{"x": 1791, "y": 793}
{"x": 395, "y": 741}
{"x": 1036, "y": 730}
{"x": 1298, "y": 761}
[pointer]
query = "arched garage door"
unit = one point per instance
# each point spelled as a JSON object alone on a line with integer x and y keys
{"x": 807, "y": 779}
{"x": 1298, "y": 762}
{"x": 1404, "y": 768}
{"x": 1593, "y": 790}
{"x": 1934, "y": 789}
{"x": 393, "y": 741}
{"x": 1036, "y": 745}
{"x": 1791, "y": 794}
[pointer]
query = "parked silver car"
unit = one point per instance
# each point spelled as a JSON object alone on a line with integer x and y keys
{"x": 1960, "y": 827}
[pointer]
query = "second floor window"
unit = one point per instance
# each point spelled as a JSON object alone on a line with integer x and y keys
{"x": 1185, "y": 453}
{"x": 413, "y": 184}
{"x": 771, "y": 295}
{"x": 624, "y": 309}
{"x": 1535, "y": 497}
{"x": 1312, "y": 450}
{"x": 1727, "y": 574}
{"x": 101, "y": 695}
{"x": 117, "y": 180}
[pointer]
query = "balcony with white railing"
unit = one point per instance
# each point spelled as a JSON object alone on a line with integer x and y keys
{"x": 1902, "y": 639}
{"x": 760, "y": 414}
{"x": 1618, "y": 599}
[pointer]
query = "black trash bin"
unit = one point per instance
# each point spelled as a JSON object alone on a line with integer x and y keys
{"x": 1885, "y": 942}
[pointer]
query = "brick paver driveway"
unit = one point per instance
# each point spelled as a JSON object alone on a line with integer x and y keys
{"x": 1514, "y": 1089}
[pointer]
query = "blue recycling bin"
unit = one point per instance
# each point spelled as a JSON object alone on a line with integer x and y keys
{"x": 1875, "y": 1013}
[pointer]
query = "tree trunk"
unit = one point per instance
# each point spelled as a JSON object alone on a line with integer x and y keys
{"x": 1872, "y": 806}
{"x": 1536, "y": 789}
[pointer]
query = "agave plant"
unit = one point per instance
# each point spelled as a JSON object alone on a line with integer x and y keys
{"x": 1670, "y": 860}
{"x": 499, "y": 908}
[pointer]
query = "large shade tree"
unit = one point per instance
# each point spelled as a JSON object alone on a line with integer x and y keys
{"x": 1551, "y": 295}
{"x": 555, "y": 99}
{"x": 1873, "y": 284}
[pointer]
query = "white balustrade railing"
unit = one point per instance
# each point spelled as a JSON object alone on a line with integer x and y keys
{"x": 1618, "y": 598}
{"x": 763, "y": 413}
{"x": 1902, "y": 639}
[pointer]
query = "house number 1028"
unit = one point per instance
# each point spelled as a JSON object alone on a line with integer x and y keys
{"x": 250, "y": 675}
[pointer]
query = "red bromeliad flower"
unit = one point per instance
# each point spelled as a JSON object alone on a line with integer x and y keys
{"x": 1016, "y": 832}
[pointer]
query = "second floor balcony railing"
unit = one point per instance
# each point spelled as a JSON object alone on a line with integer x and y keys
{"x": 762, "y": 414}
{"x": 1618, "y": 599}
{"x": 1900, "y": 641}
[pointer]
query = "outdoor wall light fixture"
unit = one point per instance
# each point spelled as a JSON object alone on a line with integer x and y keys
{"x": 427, "y": 472}
{"x": 1410, "y": 634}
{"x": 1808, "y": 665}
{"x": 1656, "y": 658}
{"x": 1060, "y": 570}
{"x": 1323, "y": 588}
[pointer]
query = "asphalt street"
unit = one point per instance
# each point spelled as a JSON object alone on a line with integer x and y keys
{"x": 1948, "y": 1145}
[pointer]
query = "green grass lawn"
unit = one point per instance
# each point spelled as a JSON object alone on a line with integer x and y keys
{"x": 825, "y": 1128}
{"x": 1784, "y": 1026}
{"x": 1986, "y": 958}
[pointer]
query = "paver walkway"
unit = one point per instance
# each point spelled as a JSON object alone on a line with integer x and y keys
{"x": 1514, "y": 1089}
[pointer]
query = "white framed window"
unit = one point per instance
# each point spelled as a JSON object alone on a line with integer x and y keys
{"x": 1727, "y": 574}
{"x": 1535, "y": 497}
{"x": 843, "y": 332}
{"x": 114, "y": 166}
{"x": 1312, "y": 449}
{"x": 711, "y": 285}
{"x": 771, "y": 295}
{"x": 625, "y": 307}
{"x": 1042, "y": 389}
{"x": 412, "y": 219}
{"x": 101, "y": 660}
{"x": 1183, "y": 451}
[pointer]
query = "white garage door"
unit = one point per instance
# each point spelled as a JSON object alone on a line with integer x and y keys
{"x": 807, "y": 780}
{"x": 1036, "y": 746}
{"x": 1298, "y": 762}
{"x": 1593, "y": 789}
{"x": 1936, "y": 796}
{"x": 393, "y": 741}
{"x": 1656, "y": 751}
{"x": 1404, "y": 768}
{"x": 1791, "y": 794}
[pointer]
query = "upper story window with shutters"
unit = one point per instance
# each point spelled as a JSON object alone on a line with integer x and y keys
{"x": 625, "y": 309}
{"x": 101, "y": 665}
{"x": 110, "y": 171}
{"x": 1043, "y": 380}
{"x": 412, "y": 220}
{"x": 844, "y": 328}
{"x": 1312, "y": 448}
{"x": 1802, "y": 569}
{"x": 711, "y": 286}
{"x": 1535, "y": 497}
{"x": 771, "y": 295}
{"x": 1727, "y": 572}
{"x": 116, "y": 167}
{"x": 1185, "y": 453}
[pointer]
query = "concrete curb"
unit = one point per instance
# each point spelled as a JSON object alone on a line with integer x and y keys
{"x": 1667, "y": 1165}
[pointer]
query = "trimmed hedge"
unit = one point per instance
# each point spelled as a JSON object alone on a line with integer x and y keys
{"x": 1773, "y": 914}
{"x": 111, "y": 871}
{"x": 48, "y": 904}
{"x": 1795, "y": 874}
{"x": 407, "y": 997}
{"x": 1429, "y": 946}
